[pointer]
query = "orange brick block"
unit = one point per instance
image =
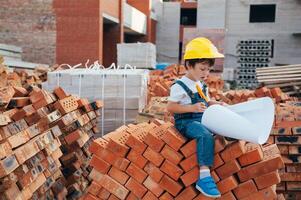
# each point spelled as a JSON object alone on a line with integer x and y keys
{"x": 113, "y": 187}
{"x": 228, "y": 169}
{"x": 171, "y": 169}
{"x": 153, "y": 156}
{"x": 233, "y": 151}
{"x": 245, "y": 189}
{"x": 137, "y": 173}
{"x": 136, "y": 188}
{"x": 153, "y": 186}
{"x": 170, "y": 185}
{"x": 227, "y": 185}
{"x": 267, "y": 180}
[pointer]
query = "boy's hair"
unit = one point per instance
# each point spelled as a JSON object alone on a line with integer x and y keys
{"x": 193, "y": 62}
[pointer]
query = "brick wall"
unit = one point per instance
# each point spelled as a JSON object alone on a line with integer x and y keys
{"x": 29, "y": 24}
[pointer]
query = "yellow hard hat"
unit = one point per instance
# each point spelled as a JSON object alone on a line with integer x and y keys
{"x": 201, "y": 47}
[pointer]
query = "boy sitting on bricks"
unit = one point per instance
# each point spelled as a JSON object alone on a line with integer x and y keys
{"x": 188, "y": 106}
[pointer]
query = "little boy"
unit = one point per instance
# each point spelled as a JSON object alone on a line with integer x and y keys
{"x": 188, "y": 107}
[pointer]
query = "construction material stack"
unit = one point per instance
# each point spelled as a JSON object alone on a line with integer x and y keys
{"x": 35, "y": 132}
{"x": 124, "y": 92}
{"x": 153, "y": 161}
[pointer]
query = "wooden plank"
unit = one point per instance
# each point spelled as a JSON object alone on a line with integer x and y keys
{"x": 278, "y": 67}
{"x": 285, "y": 71}
{"x": 281, "y": 79}
{"x": 11, "y": 48}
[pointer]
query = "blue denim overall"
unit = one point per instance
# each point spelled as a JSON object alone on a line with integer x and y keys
{"x": 189, "y": 124}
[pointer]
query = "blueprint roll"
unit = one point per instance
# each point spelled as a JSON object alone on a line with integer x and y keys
{"x": 251, "y": 121}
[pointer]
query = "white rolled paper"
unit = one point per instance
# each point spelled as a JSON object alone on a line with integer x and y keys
{"x": 251, "y": 121}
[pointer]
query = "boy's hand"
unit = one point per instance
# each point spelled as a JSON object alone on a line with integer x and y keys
{"x": 198, "y": 107}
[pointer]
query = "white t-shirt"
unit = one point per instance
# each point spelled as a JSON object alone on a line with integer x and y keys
{"x": 179, "y": 95}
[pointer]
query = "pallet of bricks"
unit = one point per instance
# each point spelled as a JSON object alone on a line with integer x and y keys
{"x": 287, "y": 135}
{"x": 153, "y": 161}
{"x": 36, "y": 129}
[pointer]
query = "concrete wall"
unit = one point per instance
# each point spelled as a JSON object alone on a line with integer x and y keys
{"x": 29, "y": 24}
{"x": 210, "y": 15}
{"x": 288, "y": 20}
{"x": 168, "y": 31}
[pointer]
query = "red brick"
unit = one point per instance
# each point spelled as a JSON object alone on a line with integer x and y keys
{"x": 227, "y": 185}
{"x": 89, "y": 197}
{"x": 149, "y": 196}
{"x": 135, "y": 141}
{"x": 118, "y": 175}
{"x": 253, "y": 155}
{"x": 153, "y": 140}
{"x": 170, "y": 185}
{"x": 219, "y": 144}
{"x": 153, "y": 186}
{"x": 116, "y": 143}
{"x": 153, "y": 156}
{"x": 99, "y": 164}
{"x": 94, "y": 188}
{"x": 171, "y": 170}
{"x": 291, "y": 149}
{"x": 191, "y": 177}
{"x": 136, "y": 158}
{"x": 189, "y": 163}
{"x": 60, "y": 93}
{"x": 131, "y": 196}
{"x": 174, "y": 139}
{"x": 72, "y": 137}
{"x": 233, "y": 151}
{"x": 228, "y": 169}
{"x": 121, "y": 163}
{"x": 202, "y": 197}
{"x": 113, "y": 197}
{"x": 136, "y": 188}
{"x": 267, "y": 180}
{"x": 166, "y": 196}
{"x": 187, "y": 194}
{"x": 265, "y": 194}
{"x": 135, "y": 172}
{"x": 215, "y": 176}
{"x": 171, "y": 155}
{"x": 227, "y": 196}
{"x": 113, "y": 187}
{"x": 217, "y": 162}
{"x": 245, "y": 189}
{"x": 154, "y": 172}
{"x": 260, "y": 168}
{"x": 189, "y": 148}
{"x": 103, "y": 194}
{"x": 292, "y": 176}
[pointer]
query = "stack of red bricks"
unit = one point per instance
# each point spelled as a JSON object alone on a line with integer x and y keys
{"x": 161, "y": 81}
{"x": 287, "y": 135}
{"x": 238, "y": 96}
{"x": 34, "y": 134}
{"x": 153, "y": 161}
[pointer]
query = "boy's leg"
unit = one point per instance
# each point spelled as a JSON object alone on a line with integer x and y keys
{"x": 205, "y": 153}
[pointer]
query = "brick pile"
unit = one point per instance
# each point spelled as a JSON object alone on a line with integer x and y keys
{"x": 161, "y": 80}
{"x": 38, "y": 131}
{"x": 287, "y": 135}
{"x": 153, "y": 161}
{"x": 22, "y": 78}
{"x": 238, "y": 96}
{"x": 156, "y": 109}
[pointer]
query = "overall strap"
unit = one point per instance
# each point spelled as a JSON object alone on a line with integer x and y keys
{"x": 187, "y": 90}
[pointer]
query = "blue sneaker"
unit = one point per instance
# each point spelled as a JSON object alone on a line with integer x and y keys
{"x": 208, "y": 187}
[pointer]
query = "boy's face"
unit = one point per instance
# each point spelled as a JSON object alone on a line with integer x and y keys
{"x": 200, "y": 71}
